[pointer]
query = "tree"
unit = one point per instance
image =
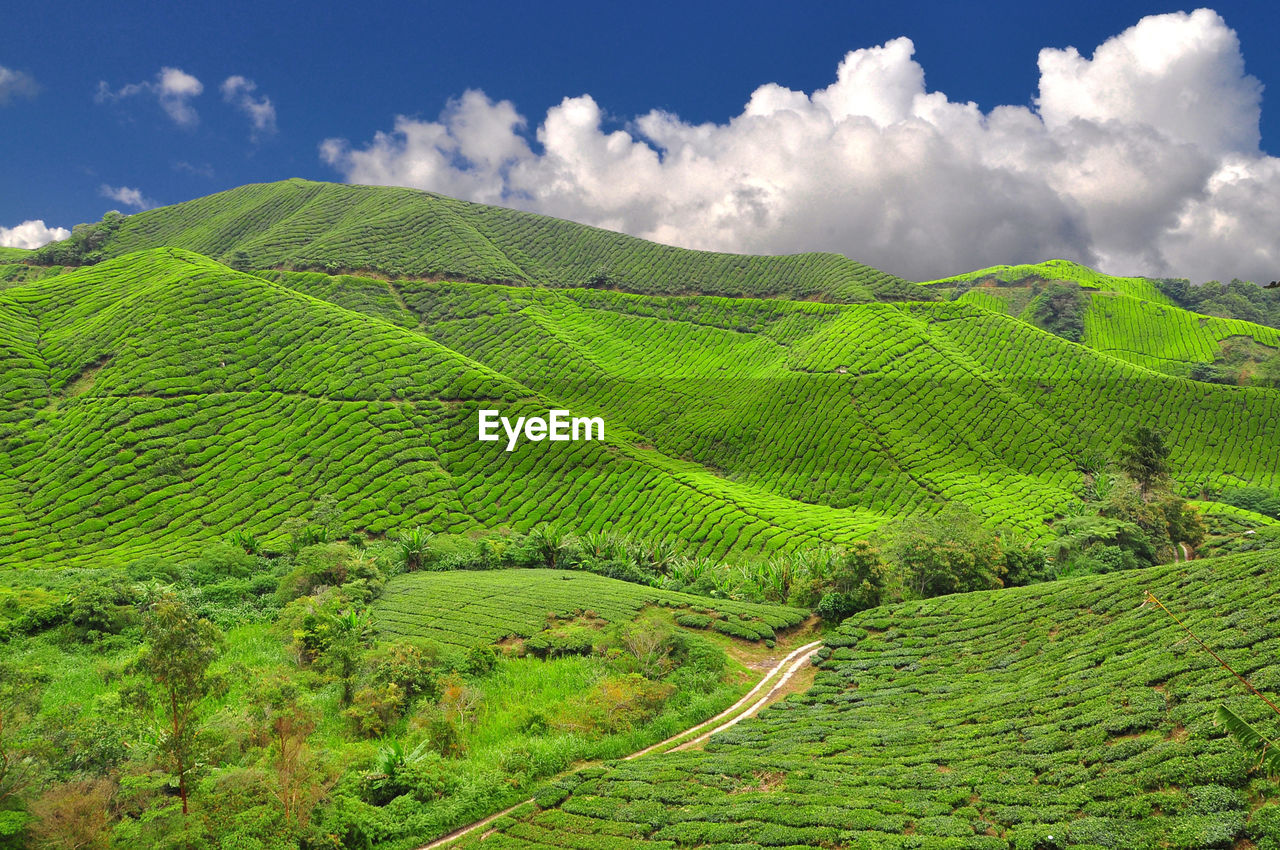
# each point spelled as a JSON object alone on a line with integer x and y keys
{"x": 333, "y": 638}
{"x": 549, "y": 542}
{"x": 950, "y": 553}
{"x": 301, "y": 779}
{"x": 413, "y": 548}
{"x": 179, "y": 649}
{"x": 1060, "y": 310}
{"x": 1144, "y": 457}
{"x": 856, "y": 582}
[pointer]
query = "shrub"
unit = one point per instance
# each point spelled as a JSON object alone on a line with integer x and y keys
{"x": 374, "y": 708}
{"x": 409, "y": 668}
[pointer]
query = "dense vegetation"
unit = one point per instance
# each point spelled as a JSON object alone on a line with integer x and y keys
{"x": 1063, "y": 715}
{"x": 239, "y": 700}
{"x": 299, "y": 224}
{"x": 147, "y": 391}
{"x": 264, "y": 588}
{"x": 1235, "y": 300}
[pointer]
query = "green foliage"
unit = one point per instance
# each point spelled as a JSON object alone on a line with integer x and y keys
{"x": 20, "y": 693}
{"x": 1060, "y": 310}
{"x": 330, "y": 565}
{"x": 179, "y": 647}
{"x": 413, "y": 549}
{"x": 1144, "y": 456}
{"x": 88, "y": 243}
{"x": 952, "y": 553}
{"x": 1262, "y": 749}
{"x": 1234, "y": 300}
{"x": 990, "y": 720}
{"x": 1258, "y": 499}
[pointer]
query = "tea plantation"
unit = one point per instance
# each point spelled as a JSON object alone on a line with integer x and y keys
{"x": 301, "y": 224}
{"x": 1063, "y": 715}
{"x": 1129, "y": 318}
{"x": 158, "y": 401}
{"x": 245, "y": 428}
{"x": 467, "y": 609}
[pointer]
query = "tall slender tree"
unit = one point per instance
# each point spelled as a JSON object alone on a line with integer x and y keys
{"x": 180, "y": 646}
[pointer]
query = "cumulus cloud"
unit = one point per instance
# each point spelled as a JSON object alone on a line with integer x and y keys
{"x": 31, "y": 234}
{"x": 126, "y": 195}
{"x": 1142, "y": 158}
{"x": 238, "y": 91}
{"x": 173, "y": 89}
{"x": 15, "y": 84}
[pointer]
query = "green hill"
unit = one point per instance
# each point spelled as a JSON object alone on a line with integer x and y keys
{"x": 157, "y": 401}
{"x": 160, "y": 400}
{"x": 405, "y": 233}
{"x": 1007, "y": 277}
{"x": 1062, "y": 715}
{"x": 1130, "y": 318}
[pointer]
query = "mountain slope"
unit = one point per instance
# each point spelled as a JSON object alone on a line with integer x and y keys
{"x": 1129, "y": 318}
{"x": 891, "y": 408}
{"x": 1053, "y": 716}
{"x": 407, "y": 233}
{"x": 155, "y": 402}
{"x": 158, "y": 401}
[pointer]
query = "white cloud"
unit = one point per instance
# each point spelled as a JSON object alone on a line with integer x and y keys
{"x": 31, "y": 234}
{"x": 173, "y": 88}
{"x": 238, "y": 91}
{"x": 126, "y": 195}
{"x": 203, "y": 169}
{"x": 1142, "y": 158}
{"x": 15, "y": 84}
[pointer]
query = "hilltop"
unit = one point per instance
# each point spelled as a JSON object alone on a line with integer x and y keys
{"x": 1130, "y": 318}
{"x": 406, "y": 233}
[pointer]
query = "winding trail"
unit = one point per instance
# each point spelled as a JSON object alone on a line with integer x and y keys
{"x": 779, "y": 674}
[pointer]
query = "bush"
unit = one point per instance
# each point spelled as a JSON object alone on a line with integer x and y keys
{"x": 330, "y": 565}
{"x": 478, "y": 661}
{"x": 374, "y": 708}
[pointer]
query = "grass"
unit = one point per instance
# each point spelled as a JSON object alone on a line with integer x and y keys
{"x": 983, "y": 720}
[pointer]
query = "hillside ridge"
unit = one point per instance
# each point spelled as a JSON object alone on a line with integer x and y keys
{"x": 407, "y": 233}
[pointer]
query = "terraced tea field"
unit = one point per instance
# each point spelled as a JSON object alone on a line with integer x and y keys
{"x": 159, "y": 401}
{"x": 1128, "y": 318}
{"x": 467, "y": 609}
{"x": 406, "y": 233}
{"x": 1061, "y": 715}
{"x": 997, "y": 277}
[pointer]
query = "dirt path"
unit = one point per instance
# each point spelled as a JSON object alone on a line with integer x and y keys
{"x": 796, "y": 666}
{"x": 787, "y": 667}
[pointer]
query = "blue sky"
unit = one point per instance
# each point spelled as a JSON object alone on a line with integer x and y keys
{"x": 86, "y": 113}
